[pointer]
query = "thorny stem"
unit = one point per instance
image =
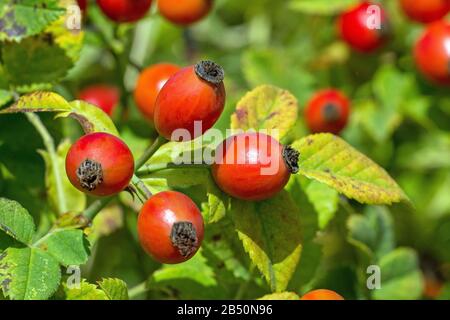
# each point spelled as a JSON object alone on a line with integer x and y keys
{"x": 148, "y": 169}
{"x": 50, "y": 146}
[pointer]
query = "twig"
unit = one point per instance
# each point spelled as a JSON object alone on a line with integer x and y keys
{"x": 50, "y": 146}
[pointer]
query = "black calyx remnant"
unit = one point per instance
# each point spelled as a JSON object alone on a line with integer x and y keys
{"x": 184, "y": 237}
{"x": 209, "y": 71}
{"x": 330, "y": 112}
{"x": 90, "y": 174}
{"x": 291, "y": 156}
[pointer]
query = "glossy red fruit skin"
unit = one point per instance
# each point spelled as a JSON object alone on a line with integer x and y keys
{"x": 353, "y": 28}
{"x": 425, "y": 11}
{"x": 186, "y": 98}
{"x": 327, "y": 111}
{"x": 243, "y": 179}
{"x": 322, "y": 294}
{"x": 117, "y": 163}
{"x": 432, "y": 53}
{"x": 124, "y": 10}
{"x": 184, "y": 12}
{"x": 106, "y": 97}
{"x": 150, "y": 82}
{"x": 156, "y": 220}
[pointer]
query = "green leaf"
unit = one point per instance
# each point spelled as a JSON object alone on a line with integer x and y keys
{"x": 330, "y": 160}
{"x": 321, "y": 7}
{"x": 401, "y": 278}
{"x": 85, "y": 291}
{"x": 281, "y": 296}
{"x": 115, "y": 289}
{"x": 20, "y": 19}
{"x": 75, "y": 200}
{"x": 31, "y": 62}
{"x": 270, "y": 233}
{"x": 28, "y": 274}
{"x": 324, "y": 199}
{"x": 195, "y": 269}
{"x": 16, "y": 221}
{"x": 91, "y": 118}
{"x": 5, "y": 97}
{"x": 69, "y": 247}
{"x": 266, "y": 107}
{"x": 372, "y": 232}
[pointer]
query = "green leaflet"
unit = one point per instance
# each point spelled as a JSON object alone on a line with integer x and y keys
{"x": 372, "y": 232}
{"x": 330, "y": 160}
{"x": 69, "y": 246}
{"x": 26, "y": 18}
{"x": 28, "y": 274}
{"x": 91, "y": 118}
{"x": 401, "y": 278}
{"x": 270, "y": 233}
{"x": 195, "y": 269}
{"x": 115, "y": 289}
{"x": 15, "y": 221}
{"x": 266, "y": 107}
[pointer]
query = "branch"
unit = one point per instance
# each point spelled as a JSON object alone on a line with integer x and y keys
{"x": 50, "y": 146}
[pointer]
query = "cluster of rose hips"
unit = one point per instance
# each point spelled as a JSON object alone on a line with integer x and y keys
{"x": 181, "y": 12}
{"x": 431, "y": 52}
{"x": 170, "y": 225}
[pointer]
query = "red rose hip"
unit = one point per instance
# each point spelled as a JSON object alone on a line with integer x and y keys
{"x": 425, "y": 11}
{"x": 357, "y": 27}
{"x": 106, "y": 97}
{"x": 432, "y": 53}
{"x": 253, "y": 166}
{"x": 327, "y": 111}
{"x": 184, "y": 12}
{"x": 99, "y": 164}
{"x": 149, "y": 83}
{"x": 124, "y": 10}
{"x": 193, "y": 94}
{"x": 170, "y": 227}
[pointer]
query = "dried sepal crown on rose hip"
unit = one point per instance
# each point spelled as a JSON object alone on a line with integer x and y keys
{"x": 99, "y": 164}
{"x": 194, "y": 96}
{"x": 253, "y": 166}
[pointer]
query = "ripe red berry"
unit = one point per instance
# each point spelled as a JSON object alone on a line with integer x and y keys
{"x": 124, "y": 10}
{"x": 149, "y": 83}
{"x": 432, "y": 52}
{"x": 327, "y": 111}
{"x": 425, "y": 11}
{"x": 99, "y": 164}
{"x": 253, "y": 166}
{"x": 322, "y": 294}
{"x": 184, "y": 12}
{"x": 193, "y": 94}
{"x": 170, "y": 227}
{"x": 358, "y": 28}
{"x": 106, "y": 97}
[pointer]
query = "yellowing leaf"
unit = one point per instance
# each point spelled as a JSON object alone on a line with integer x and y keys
{"x": 266, "y": 107}
{"x": 91, "y": 118}
{"x": 281, "y": 296}
{"x": 330, "y": 160}
{"x": 270, "y": 233}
